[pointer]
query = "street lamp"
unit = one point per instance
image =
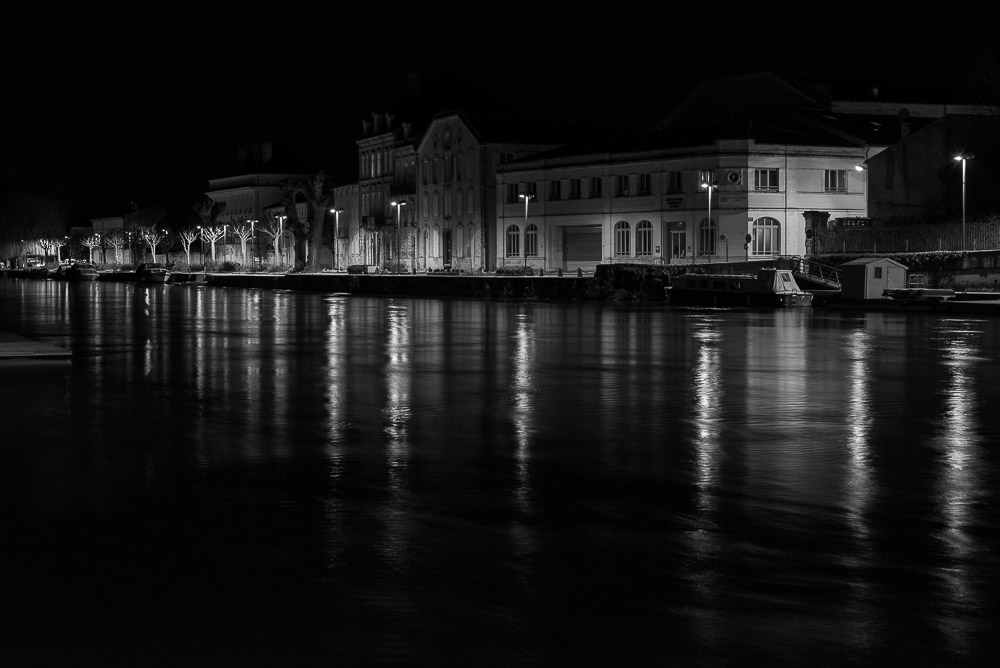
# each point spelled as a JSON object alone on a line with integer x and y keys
{"x": 398, "y": 206}
{"x": 708, "y": 188}
{"x": 524, "y": 251}
{"x": 281, "y": 234}
{"x": 253, "y": 236}
{"x": 963, "y": 159}
{"x": 336, "y": 235}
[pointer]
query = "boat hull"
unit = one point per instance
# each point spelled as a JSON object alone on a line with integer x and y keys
{"x": 709, "y": 298}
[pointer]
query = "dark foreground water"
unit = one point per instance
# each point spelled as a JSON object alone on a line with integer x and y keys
{"x": 227, "y": 477}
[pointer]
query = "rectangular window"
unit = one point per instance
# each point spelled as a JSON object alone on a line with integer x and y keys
{"x": 878, "y": 272}
{"x": 706, "y": 176}
{"x": 836, "y": 181}
{"x": 765, "y": 179}
{"x": 531, "y": 189}
{"x": 621, "y": 185}
{"x": 675, "y": 182}
{"x": 574, "y": 188}
{"x": 595, "y": 186}
{"x": 644, "y": 184}
{"x": 555, "y": 190}
{"x": 512, "y": 192}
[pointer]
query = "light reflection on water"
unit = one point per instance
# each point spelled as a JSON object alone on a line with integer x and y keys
{"x": 378, "y": 479}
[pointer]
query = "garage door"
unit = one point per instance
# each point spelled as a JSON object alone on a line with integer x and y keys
{"x": 582, "y": 245}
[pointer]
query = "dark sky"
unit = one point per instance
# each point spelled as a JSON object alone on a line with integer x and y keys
{"x": 138, "y": 104}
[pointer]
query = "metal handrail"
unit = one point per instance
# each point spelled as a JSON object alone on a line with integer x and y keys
{"x": 824, "y": 272}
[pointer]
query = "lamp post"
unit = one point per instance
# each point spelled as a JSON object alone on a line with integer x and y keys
{"x": 708, "y": 188}
{"x": 253, "y": 236}
{"x": 963, "y": 158}
{"x": 336, "y": 236}
{"x": 281, "y": 234}
{"x": 397, "y": 205}
{"x": 527, "y": 197}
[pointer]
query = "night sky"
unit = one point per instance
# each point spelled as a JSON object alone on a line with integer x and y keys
{"x": 107, "y": 107}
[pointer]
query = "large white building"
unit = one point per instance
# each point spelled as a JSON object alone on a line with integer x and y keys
{"x": 772, "y": 172}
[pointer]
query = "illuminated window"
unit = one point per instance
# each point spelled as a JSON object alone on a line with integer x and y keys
{"x": 622, "y": 239}
{"x": 836, "y": 181}
{"x": 765, "y": 179}
{"x": 766, "y": 237}
{"x": 513, "y": 244}
{"x": 644, "y": 238}
{"x": 531, "y": 240}
{"x": 706, "y": 237}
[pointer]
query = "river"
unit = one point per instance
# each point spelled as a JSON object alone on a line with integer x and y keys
{"x": 228, "y": 476}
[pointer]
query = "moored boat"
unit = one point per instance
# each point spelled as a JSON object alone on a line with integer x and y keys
{"x": 81, "y": 271}
{"x": 767, "y": 287}
{"x": 152, "y": 272}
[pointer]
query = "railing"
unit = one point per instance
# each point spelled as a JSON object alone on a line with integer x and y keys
{"x": 817, "y": 271}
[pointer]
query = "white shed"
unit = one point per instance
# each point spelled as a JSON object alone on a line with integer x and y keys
{"x": 868, "y": 277}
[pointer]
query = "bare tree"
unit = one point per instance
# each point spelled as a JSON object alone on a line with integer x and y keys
{"x": 187, "y": 237}
{"x": 243, "y": 232}
{"x": 151, "y": 237}
{"x": 273, "y": 230}
{"x": 92, "y": 242}
{"x": 117, "y": 241}
{"x": 211, "y": 235}
{"x": 26, "y": 216}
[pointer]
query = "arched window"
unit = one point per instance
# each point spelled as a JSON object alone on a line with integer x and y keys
{"x": 531, "y": 240}
{"x": 423, "y": 170}
{"x": 459, "y": 160}
{"x": 436, "y": 205}
{"x": 426, "y": 237}
{"x": 706, "y": 237}
{"x": 644, "y": 238}
{"x": 472, "y": 202}
{"x": 459, "y": 202}
{"x": 460, "y": 241}
{"x": 425, "y": 205}
{"x": 622, "y": 239}
{"x": 513, "y": 245}
{"x": 436, "y": 176}
{"x": 469, "y": 239}
{"x": 766, "y": 237}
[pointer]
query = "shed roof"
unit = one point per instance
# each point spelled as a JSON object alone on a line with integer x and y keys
{"x": 873, "y": 260}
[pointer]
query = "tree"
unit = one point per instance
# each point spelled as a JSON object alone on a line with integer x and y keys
{"x": 187, "y": 237}
{"x": 243, "y": 232}
{"x": 151, "y": 236}
{"x": 92, "y": 242}
{"x": 28, "y": 215}
{"x": 273, "y": 230}
{"x": 308, "y": 234}
{"x": 117, "y": 241}
{"x": 211, "y": 235}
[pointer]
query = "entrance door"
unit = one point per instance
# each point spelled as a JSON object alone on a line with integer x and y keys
{"x": 678, "y": 245}
{"x": 447, "y": 249}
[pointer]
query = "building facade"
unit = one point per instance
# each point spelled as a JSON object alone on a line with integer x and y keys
{"x": 653, "y": 207}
